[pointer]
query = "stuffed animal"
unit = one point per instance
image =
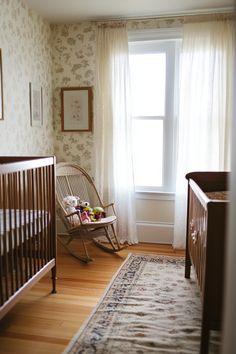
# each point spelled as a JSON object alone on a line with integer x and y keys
{"x": 98, "y": 213}
{"x": 70, "y": 203}
{"x": 85, "y": 217}
{"x": 90, "y": 213}
{"x": 82, "y": 205}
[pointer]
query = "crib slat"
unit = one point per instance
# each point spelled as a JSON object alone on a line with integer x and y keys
{"x": 42, "y": 226}
{"x": 48, "y": 251}
{"x": 29, "y": 241}
{"x": 21, "y": 211}
{"x": 33, "y": 231}
{"x": 44, "y": 221}
{"x": 49, "y": 193}
{"x": 25, "y": 230}
{"x": 16, "y": 227}
{"x": 5, "y": 258}
{"x": 44, "y": 216}
{"x": 14, "y": 203}
{"x": 11, "y": 233}
{"x": 1, "y": 247}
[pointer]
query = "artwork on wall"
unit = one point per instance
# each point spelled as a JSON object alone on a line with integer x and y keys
{"x": 36, "y": 112}
{"x": 76, "y": 108}
{"x": 1, "y": 88}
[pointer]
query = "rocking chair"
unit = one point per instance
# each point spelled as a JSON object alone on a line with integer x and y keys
{"x": 72, "y": 180}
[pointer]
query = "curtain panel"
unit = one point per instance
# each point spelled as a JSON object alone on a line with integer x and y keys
{"x": 205, "y": 113}
{"x": 112, "y": 131}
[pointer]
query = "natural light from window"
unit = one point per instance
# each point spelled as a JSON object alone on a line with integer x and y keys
{"x": 148, "y": 77}
{"x": 148, "y": 147}
{"x": 148, "y": 89}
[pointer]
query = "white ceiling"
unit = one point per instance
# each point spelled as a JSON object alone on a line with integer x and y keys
{"x": 77, "y": 10}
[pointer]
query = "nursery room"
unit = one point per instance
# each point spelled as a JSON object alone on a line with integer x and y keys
{"x": 117, "y": 193}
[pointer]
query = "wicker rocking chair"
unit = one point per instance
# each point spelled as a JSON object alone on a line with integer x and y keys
{"x": 72, "y": 180}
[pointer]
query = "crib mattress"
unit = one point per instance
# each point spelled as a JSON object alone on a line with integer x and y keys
{"x": 16, "y": 226}
{"x": 218, "y": 195}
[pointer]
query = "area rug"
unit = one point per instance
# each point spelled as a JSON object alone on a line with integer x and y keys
{"x": 148, "y": 307}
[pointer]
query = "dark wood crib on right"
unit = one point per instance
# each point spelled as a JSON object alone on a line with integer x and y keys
{"x": 205, "y": 243}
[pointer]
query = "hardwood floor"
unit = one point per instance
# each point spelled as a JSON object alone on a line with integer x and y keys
{"x": 44, "y": 323}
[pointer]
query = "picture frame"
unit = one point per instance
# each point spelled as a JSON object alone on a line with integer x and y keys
{"x": 1, "y": 88}
{"x": 36, "y": 111}
{"x": 76, "y": 109}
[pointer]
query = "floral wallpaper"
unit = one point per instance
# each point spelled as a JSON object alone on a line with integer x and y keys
{"x": 73, "y": 65}
{"x": 25, "y": 41}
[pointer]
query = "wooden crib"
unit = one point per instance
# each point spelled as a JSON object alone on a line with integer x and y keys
{"x": 205, "y": 243}
{"x": 27, "y": 225}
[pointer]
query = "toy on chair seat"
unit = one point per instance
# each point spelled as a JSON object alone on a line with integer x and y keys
{"x": 82, "y": 205}
{"x": 85, "y": 218}
{"x": 95, "y": 214}
{"x": 70, "y": 203}
{"x": 98, "y": 213}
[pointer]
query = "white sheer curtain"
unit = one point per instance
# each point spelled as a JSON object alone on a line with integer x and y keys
{"x": 112, "y": 129}
{"x": 205, "y": 107}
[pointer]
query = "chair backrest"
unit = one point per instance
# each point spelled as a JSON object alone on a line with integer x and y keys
{"x": 73, "y": 180}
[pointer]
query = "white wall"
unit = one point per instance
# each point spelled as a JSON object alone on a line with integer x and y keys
{"x": 155, "y": 217}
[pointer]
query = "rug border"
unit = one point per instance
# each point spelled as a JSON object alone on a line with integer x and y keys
{"x": 80, "y": 330}
{"x": 73, "y": 340}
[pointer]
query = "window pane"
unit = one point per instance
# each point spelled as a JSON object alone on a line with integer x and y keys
{"x": 148, "y": 82}
{"x": 148, "y": 152}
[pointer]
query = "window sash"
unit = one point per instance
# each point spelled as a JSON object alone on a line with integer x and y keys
{"x": 170, "y": 48}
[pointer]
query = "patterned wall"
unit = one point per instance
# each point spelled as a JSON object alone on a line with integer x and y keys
{"x": 73, "y": 65}
{"x": 25, "y": 40}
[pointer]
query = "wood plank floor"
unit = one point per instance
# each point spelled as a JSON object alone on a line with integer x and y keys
{"x": 44, "y": 323}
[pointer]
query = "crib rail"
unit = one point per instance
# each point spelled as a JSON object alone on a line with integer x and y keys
{"x": 27, "y": 221}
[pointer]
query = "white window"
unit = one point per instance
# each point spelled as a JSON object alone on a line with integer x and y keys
{"x": 153, "y": 67}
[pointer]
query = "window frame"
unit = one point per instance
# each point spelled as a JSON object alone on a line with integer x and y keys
{"x": 168, "y": 42}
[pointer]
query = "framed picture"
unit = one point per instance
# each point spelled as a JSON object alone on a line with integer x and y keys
{"x": 76, "y": 109}
{"x": 1, "y": 88}
{"x": 36, "y": 115}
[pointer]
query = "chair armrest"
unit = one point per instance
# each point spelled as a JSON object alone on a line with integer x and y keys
{"x": 110, "y": 205}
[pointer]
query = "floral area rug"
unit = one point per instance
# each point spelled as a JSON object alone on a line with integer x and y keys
{"x": 149, "y": 307}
